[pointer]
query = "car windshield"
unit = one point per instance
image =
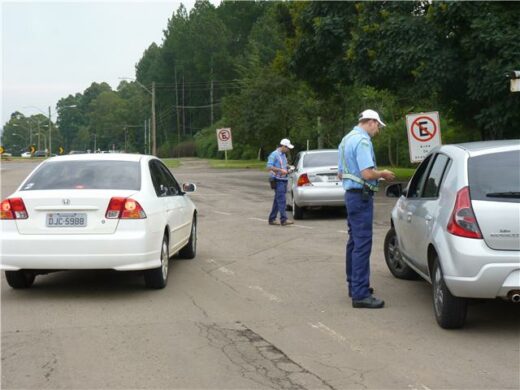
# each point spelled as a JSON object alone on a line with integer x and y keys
{"x": 486, "y": 184}
{"x": 322, "y": 159}
{"x": 100, "y": 175}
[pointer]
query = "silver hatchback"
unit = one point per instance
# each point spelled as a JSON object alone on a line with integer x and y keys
{"x": 457, "y": 225}
{"x": 314, "y": 181}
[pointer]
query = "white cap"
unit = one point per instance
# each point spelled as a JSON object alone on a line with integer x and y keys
{"x": 286, "y": 142}
{"x": 371, "y": 114}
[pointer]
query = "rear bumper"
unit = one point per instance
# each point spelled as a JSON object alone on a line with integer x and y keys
{"x": 319, "y": 196}
{"x": 493, "y": 280}
{"x": 122, "y": 251}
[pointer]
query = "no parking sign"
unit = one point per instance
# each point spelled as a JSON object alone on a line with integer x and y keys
{"x": 224, "y": 140}
{"x": 424, "y": 133}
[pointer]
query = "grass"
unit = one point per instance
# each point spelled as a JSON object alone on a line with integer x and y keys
{"x": 171, "y": 162}
{"x": 237, "y": 164}
{"x": 401, "y": 174}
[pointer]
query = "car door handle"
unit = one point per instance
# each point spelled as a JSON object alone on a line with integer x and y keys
{"x": 409, "y": 216}
{"x": 428, "y": 218}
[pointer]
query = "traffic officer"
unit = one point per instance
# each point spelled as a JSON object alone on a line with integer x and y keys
{"x": 278, "y": 170}
{"x": 358, "y": 171}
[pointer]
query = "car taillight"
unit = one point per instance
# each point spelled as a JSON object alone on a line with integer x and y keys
{"x": 303, "y": 180}
{"x": 13, "y": 208}
{"x": 124, "y": 208}
{"x": 463, "y": 222}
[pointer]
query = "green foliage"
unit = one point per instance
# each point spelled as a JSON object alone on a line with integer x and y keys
{"x": 302, "y": 70}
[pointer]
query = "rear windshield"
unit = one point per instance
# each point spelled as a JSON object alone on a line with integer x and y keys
{"x": 324, "y": 159}
{"x": 98, "y": 175}
{"x": 495, "y": 177}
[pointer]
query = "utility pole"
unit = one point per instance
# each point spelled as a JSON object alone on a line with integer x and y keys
{"x": 211, "y": 97}
{"x": 177, "y": 116}
{"x": 183, "y": 113}
{"x": 50, "y": 133}
{"x": 149, "y": 136}
{"x": 320, "y": 141}
{"x": 211, "y": 92}
{"x": 154, "y": 145}
{"x": 145, "y": 139}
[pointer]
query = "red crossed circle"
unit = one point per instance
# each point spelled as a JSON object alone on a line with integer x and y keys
{"x": 423, "y": 129}
{"x": 224, "y": 135}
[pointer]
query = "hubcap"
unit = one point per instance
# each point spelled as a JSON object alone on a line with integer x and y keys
{"x": 395, "y": 254}
{"x": 438, "y": 295}
{"x": 164, "y": 260}
{"x": 194, "y": 234}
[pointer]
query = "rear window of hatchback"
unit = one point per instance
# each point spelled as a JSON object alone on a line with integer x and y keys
{"x": 95, "y": 175}
{"x": 495, "y": 177}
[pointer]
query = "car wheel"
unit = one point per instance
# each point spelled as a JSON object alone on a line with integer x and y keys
{"x": 394, "y": 259}
{"x": 190, "y": 250}
{"x": 20, "y": 279}
{"x": 158, "y": 277}
{"x": 296, "y": 210}
{"x": 450, "y": 311}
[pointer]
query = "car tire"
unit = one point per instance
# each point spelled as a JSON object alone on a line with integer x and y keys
{"x": 394, "y": 258}
{"x": 296, "y": 210}
{"x": 158, "y": 277}
{"x": 450, "y": 311}
{"x": 20, "y": 279}
{"x": 190, "y": 250}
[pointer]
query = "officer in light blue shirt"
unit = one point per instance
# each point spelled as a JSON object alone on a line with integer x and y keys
{"x": 278, "y": 170}
{"x": 358, "y": 171}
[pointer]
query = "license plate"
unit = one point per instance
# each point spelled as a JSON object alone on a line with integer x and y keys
{"x": 66, "y": 220}
{"x": 330, "y": 178}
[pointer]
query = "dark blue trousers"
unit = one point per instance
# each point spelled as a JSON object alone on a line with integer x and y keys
{"x": 279, "y": 202}
{"x": 359, "y": 245}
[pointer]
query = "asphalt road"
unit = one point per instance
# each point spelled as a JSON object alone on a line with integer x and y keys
{"x": 260, "y": 307}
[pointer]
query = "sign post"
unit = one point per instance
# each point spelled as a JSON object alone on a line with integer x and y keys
{"x": 424, "y": 133}
{"x": 225, "y": 141}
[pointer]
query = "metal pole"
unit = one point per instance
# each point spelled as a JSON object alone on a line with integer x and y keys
{"x": 145, "y": 139}
{"x": 50, "y": 132}
{"x": 177, "y": 116}
{"x": 154, "y": 145}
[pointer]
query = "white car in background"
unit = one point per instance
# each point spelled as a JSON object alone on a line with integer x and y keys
{"x": 26, "y": 155}
{"x": 457, "y": 225}
{"x": 97, "y": 211}
{"x": 314, "y": 181}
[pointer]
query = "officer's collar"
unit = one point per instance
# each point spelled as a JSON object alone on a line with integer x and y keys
{"x": 362, "y": 131}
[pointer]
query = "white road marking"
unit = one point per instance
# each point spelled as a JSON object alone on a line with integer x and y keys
{"x": 258, "y": 219}
{"x": 226, "y": 270}
{"x": 220, "y": 267}
{"x": 266, "y": 294}
{"x": 221, "y": 212}
{"x": 303, "y": 227}
{"x": 335, "y": 335}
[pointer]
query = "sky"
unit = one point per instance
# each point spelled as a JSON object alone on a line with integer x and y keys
{"x": 53, "y": 49}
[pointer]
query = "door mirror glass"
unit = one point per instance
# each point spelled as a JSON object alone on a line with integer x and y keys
{"x": 394, "y": 190}
{"x": 189, "y": 187}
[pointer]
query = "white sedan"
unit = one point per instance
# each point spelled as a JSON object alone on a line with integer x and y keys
{"x": 97, "y": 211}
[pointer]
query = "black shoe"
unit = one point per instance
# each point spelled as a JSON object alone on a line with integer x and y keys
{"x": 370, "y": 290}
{"x": 368, "y": 303}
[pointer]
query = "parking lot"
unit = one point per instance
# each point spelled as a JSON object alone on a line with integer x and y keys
{"x": 259, "y": 307}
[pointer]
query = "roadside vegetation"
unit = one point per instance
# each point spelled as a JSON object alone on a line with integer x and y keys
{"x": 304, "y": 71}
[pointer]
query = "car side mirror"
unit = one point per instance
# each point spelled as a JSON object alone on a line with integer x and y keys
{"x": 394, "y": 190}
{"x": 189, "y": 187}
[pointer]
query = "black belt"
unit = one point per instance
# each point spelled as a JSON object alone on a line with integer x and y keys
{"x": 359, "y": 191}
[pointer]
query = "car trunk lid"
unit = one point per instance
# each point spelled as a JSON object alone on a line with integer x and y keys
{"x": 68, "y": 211}
{"x": 499, "y": 223}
